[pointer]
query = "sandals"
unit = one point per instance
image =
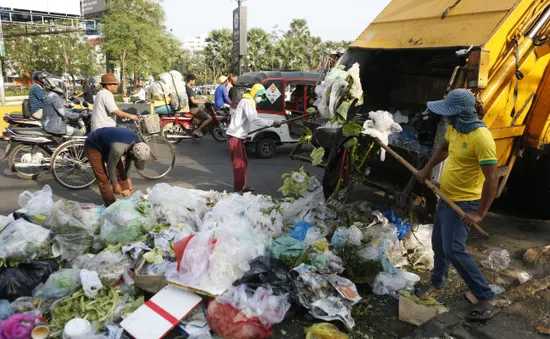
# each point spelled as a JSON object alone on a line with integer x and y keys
{"x": 427, "y": 291}
{"x": 483, "y": 310}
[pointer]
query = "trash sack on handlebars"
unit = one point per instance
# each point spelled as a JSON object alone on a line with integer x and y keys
{"x": 22, "y": 280}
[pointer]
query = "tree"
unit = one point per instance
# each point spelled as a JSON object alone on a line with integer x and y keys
{"x": 45, "y": 52}
{"x": 218, "y": 51}
{"x": 260, "y": 48}
{"x": 135, "y": 37}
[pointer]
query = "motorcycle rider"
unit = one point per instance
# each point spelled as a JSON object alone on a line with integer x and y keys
{"x": 244, "y": 116}
{"x": 117, "y": 147}
{"x": 220, "y": 95}
{"x": 55, "y": 114}
{"x": 105, "y": 106}
{"x": 37, "y": 94}
{"x": 86, "y": 92}
{"x": 196, "y": 107}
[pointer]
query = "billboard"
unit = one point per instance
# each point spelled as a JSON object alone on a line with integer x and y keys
{"x": 70, "y": 7}
{"x": 240, "y": 30}
{"x": 90, "y": 7}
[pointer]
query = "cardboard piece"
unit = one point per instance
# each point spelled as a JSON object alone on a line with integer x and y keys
{"x": 416, "y": 314}
{"x": 203, "y": 290}
{"x": 161, "y": 313}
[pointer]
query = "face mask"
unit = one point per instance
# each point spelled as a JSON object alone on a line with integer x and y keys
{"x": 259, "y": 100}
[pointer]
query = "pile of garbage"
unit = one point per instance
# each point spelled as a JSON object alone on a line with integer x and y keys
{"x": 85, "y": 270}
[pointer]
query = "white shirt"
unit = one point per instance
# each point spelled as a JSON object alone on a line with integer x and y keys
{"x": 140, "y": 94}
{"x": 243, "y": 117}
{"x": 104, "y": 106}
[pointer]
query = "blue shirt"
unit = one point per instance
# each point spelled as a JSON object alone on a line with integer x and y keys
{"x": 220, "y": 97}
{"x": 101, "y": 139}
{"x": 36, "y": 98}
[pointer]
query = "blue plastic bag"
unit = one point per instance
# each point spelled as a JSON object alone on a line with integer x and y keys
{"x": 5, "y": 309}
{"x": 402, "y": 226}
{"x": 300, "y": 230}
{"x": 339, "y": 238}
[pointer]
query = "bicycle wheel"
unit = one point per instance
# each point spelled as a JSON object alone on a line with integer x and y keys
{"x": 70, "y": 166}
{"x": 165, "y": 158}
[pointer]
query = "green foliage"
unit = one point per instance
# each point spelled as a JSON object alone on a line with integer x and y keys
{"x": 135, "y": 37}
{"x": 351, "y": 129}
{"x": 295, "y": 182}
{"x": 45, "y": 52}
{"x": 317, "y": 155}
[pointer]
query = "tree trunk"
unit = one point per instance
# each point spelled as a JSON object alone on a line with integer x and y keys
{"x": 122, "y": 69}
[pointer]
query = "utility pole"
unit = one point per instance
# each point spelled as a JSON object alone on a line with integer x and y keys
{"x": 240, "y": 64}
{"x": 2, "y": 55}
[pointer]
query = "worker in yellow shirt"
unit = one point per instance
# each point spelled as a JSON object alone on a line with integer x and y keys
{"x": 469, "y": 179}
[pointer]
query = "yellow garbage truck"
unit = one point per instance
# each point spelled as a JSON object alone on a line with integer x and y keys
{"x": 417, "y": 50}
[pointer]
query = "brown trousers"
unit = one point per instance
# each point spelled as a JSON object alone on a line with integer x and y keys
{"x": 100, "y": 172}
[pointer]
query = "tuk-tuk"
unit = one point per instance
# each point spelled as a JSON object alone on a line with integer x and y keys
{"x": 289, "y": 95}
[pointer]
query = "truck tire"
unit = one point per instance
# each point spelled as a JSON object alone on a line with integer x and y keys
{"x": 541, "y": 187}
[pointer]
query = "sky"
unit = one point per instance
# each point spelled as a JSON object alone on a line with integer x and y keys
{"x": 329, "y": 19}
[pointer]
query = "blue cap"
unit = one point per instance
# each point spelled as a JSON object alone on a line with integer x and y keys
{"x": 457, "y": 101}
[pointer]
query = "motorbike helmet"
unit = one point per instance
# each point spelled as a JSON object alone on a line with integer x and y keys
{"x": 40, "y": 77}
{"x": 54, "y": 84}
{"x": 258, "y": 93}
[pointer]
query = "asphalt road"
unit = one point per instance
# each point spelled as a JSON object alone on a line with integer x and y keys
{"x": 202, "y": 165}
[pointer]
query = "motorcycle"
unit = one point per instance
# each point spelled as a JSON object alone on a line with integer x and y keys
{"x": 30, "y": 149}
{"x": 176, "y": 128}
{"x": 17, "y": 120}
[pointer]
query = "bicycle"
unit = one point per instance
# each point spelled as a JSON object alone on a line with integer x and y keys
{"x": 71, "y": 168}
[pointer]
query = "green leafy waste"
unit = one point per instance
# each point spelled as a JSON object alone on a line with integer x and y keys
{"x": 317, "y": 156}
{"x": 291, "y": 186}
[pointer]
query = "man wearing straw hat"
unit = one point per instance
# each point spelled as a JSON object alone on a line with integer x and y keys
{"x": 105, "y": 106}
{"x": 469, "y": 179}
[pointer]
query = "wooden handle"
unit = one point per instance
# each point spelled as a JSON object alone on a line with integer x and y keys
{"x": 284, "y": 122}
{"x": 431, "y": 185}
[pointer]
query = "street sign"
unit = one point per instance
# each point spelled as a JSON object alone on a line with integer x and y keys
{"x": 90, "y": 7}
{"x": 240, "y": 31}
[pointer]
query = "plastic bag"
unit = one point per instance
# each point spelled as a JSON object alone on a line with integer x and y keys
{"x": 160, "y": 91}
{"x": 72, "y": 235}
{"x": 125, "y": 221}
{"x": 498, "y": 260}
{"x": 389, "y": 284}
{"x": 268, "y": 271}
{"x": 310, "y": 286}
{"x": 195, "y": 259}
{"x": 369, "y": 253}
{"x": 37, "y": 203}
{"x": 300, "y": 230}
{"x": 4, "y": 221}
{"x": 332, "y": 308}
{"x": 339, "y": 238}
{"x": 229, "y": 322}
{"x": 523, "y": 277}
{"x": 421, "y": 243}
{"x": 90, "y": 283}
{"x": 313, "y": 235}
{"x": 21, "y": 281}
{"x": 109, "y": 266}
{"x": 324, "y": 331}
{"x": 355, "y": 236}
{"x": 285, "y": 246}
{"x": 302, "y": 208}
{"x": 497, "y": 289}
{"x": 260, "y": 303}
{"x": 17, "y": 326}
{"x": 179, "y": 205}
{"x": 59, "y": 284}
{"x": 402, "y": 226}
{"x": 380, "y": 125}
{"x": 22, "y": 240}
{"x": 345, "y": 288}
{"x": 5, "y": 309}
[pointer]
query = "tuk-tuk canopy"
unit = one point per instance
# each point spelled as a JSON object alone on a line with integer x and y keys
{"x": 252, "y": 78}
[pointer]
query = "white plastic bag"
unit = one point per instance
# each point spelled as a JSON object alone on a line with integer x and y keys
{"x": 262, "y": 303}
{"x": 498, "y": 260}
{"x": 22, "y": 240}
{"x": 125, "y": 221}
{"x": 420, "y": 241}
{"x": 90, "y": 283}
{"x": 4, "y": 221}
{"x": 380, "y": 125}
{"x": 332, "y": 308}
{"x": 386, "y": 283}
{"x": 109, "y": 266}
{"x": 73, "y": 234}
{"x": 369, "y": 253}
{"x": 37, "y": 203}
